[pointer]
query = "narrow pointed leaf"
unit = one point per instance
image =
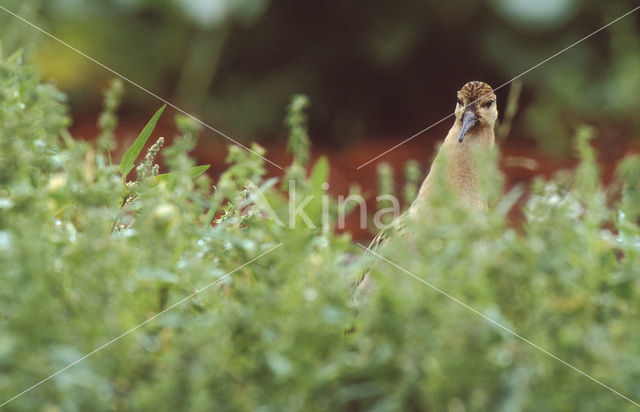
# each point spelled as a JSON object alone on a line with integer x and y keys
{"x": 129, "y": 158}
{"x": 319, "y": 174}
{"x": 193, "y": 173}
{"x": 198, "y": 170}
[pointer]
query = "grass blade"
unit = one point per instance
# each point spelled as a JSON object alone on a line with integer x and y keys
{"x": 198, "y": 170}
{"x": 129, "y": 158}
{"x": 193, "y": 173}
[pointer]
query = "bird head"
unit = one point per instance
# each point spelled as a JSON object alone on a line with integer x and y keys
{"x": 476, "y": 107}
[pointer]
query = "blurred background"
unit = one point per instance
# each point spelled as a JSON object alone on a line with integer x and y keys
{"x": 375, "y": 73}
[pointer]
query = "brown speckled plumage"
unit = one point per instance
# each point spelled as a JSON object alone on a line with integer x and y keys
{"x": 461, "y": 174}
{"x": 476, "y": 90}
{"x": 476, "y": 101}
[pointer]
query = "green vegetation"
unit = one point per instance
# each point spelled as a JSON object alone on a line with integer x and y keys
{"x": 271, "y": 334}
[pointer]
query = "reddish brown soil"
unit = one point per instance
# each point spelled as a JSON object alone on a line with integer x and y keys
{"x": 520, "y": 160}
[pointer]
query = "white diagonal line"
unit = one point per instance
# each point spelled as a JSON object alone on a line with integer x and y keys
{"x": 217, "y": 281}
{"x": 137, "y": 85}
{"x": 503, "y": 84}
{"x": 497, "y": 324}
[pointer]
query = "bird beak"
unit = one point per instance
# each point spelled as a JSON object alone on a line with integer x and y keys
{"x": 468, "y": 121}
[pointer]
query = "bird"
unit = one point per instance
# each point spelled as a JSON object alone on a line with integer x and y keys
{"x": 476, "y": 114}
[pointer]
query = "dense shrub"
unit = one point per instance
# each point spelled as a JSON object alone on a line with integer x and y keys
{"x": 85, "y": 258}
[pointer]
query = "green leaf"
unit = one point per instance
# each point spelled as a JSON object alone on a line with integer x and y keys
{"x": 193, "y": 173}
{"x": 198, "y": 170}
{"x": 319, "y": 174}
{"x": 129, "y": 158}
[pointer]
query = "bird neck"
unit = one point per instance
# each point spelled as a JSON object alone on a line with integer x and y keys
{"x": 459, "y": 155}
{"x": 462, "y": 171}
{"x": 455, "y": 161}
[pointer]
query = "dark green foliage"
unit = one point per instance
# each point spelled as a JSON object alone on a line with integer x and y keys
{"x": 272, "y": 336}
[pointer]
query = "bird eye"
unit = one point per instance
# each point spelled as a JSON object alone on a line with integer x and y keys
{"x": 488, "y": 103}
